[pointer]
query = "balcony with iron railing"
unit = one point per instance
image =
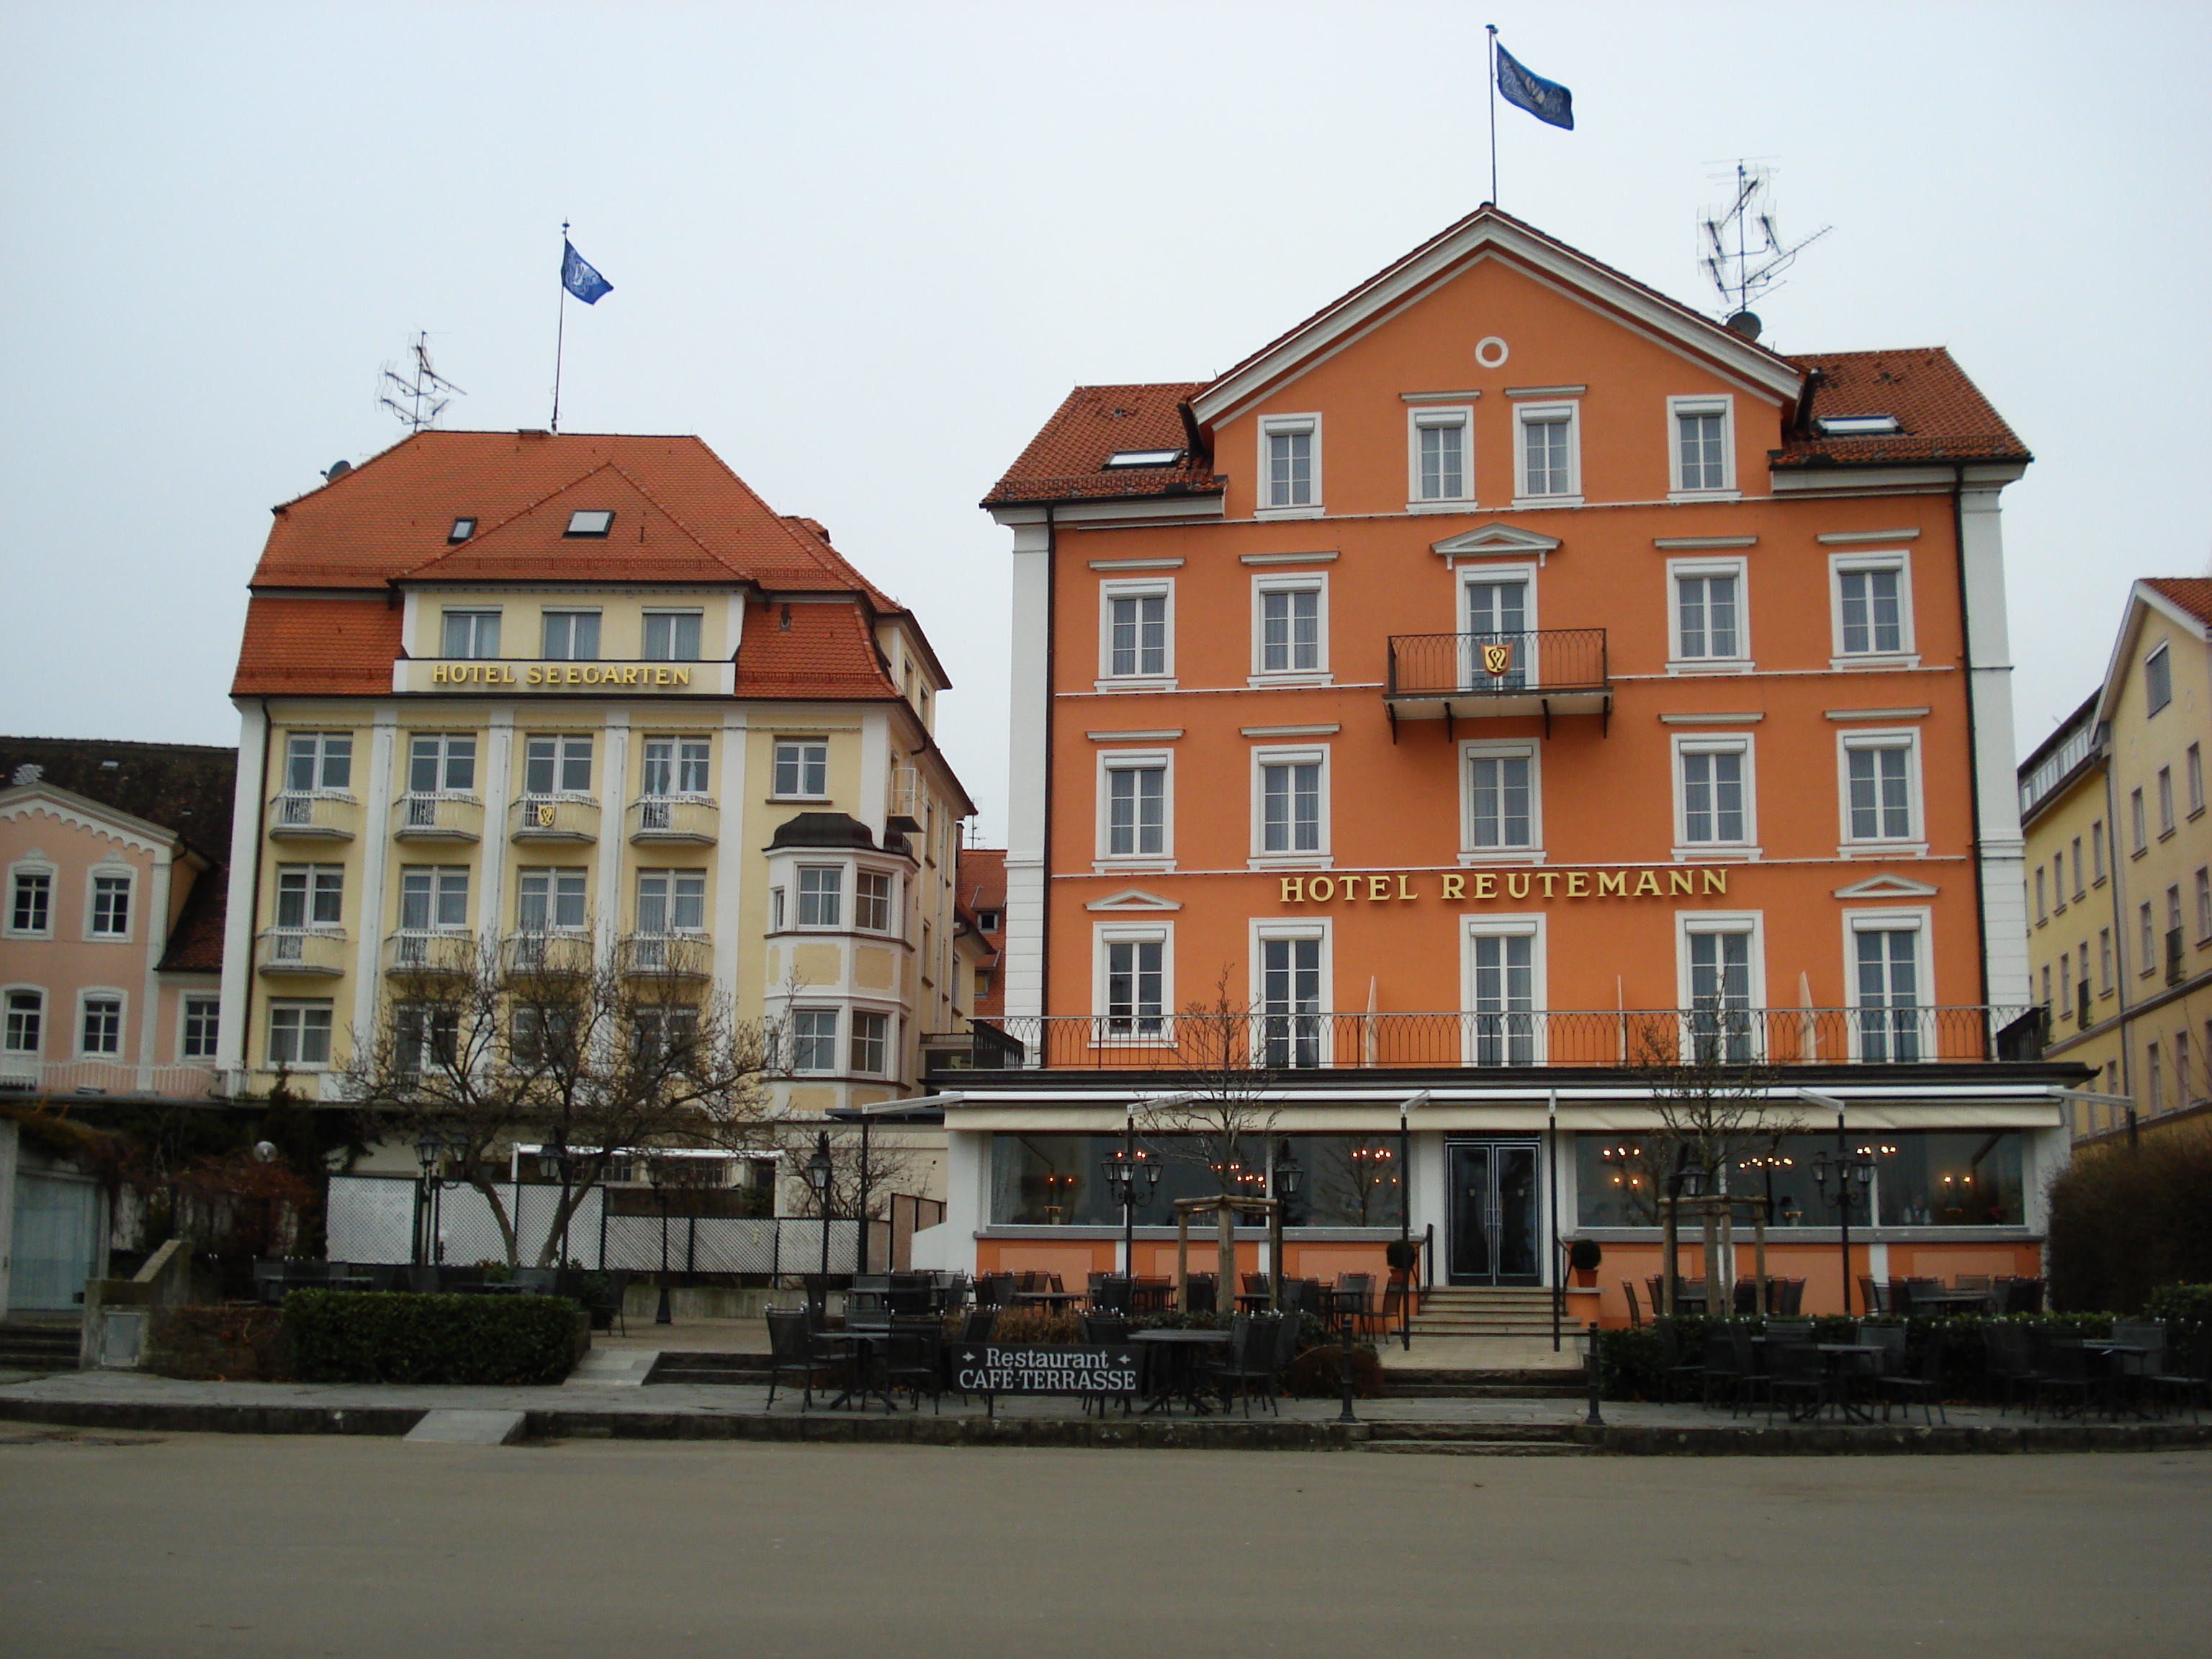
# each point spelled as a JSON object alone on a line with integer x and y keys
{"x": 20, "y": 1074}
{"x": 319, "y": 816}
{"x": 692, "y": 820}
{"x": 666, "y": 956}
{"x": 443, "y": 952}
{"x": 1493, "y": 675}
{"x": 441, "y": 817}
{"x": 1633, "y": 1037}
{"x": 553, "y": 818}
{"x": 311, "y": 952}
{"x": 546, "y": 953}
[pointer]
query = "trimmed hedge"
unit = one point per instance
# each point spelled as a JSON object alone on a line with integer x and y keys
{"x": 1630, "y": 1365}
{"x": 2127, "y": 1219}
{"x": 366, "y": 1336}
{"x": 2182, "y": 1304}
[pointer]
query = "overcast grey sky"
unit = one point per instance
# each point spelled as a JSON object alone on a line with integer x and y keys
{"x": 863, "y": 250}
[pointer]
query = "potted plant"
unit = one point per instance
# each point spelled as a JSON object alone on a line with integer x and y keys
{"x": 1584, "y": 1256}
{"x": 1402, "y": 1254}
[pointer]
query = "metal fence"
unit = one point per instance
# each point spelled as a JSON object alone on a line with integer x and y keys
{"x": 1616, "y": 1038}
{"x": 372, "y": 1218}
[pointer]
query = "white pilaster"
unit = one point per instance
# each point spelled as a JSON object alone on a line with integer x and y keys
{"x": 607, "y": 914}
{"x": 499, "y": 781}
{"x": 1030, "y": 712}
{"x": 379, "y": 851}
{"x": 967, "y": 1194}
{"x": 240, "y": 906}
{"x": 733, "y": 845}
{"x": 2001, "y": 847}
{"x": 156, "y": 939}
{"x": 876, "y": 762}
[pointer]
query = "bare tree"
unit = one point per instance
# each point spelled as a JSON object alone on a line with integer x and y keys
{"x": 549, "y": 1037}
{"x": 1711, "y": 1085}
{"x": 1223, "y": 1120}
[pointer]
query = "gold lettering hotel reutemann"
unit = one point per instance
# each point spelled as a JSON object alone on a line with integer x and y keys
{"x": 1485, "y": 885}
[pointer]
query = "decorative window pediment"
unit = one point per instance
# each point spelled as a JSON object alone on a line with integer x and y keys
{"x": 1885, "y": 886}
{"x": 1134, "y": 899}
{"x": 1496, "y": 540}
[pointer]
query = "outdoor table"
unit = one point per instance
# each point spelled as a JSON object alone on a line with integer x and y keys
{"x": 1050, "y": 1298}
{"x": 860, "y": 1367}
{"x": 1179, "y": 1375}
{"x": 1950, "y": 1301}
{"x": 1845, "y": 1361}
{"x": 2121, "y": 1360}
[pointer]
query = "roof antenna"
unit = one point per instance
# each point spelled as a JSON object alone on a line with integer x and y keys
{"x": 1741, "y": 252}
{"x": 406, "y": 395}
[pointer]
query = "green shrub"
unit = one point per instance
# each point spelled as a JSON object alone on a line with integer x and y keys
{"x": 2183, "y": 1304}
{"x": 362, "y": 1336}
{"x": 2125, "y": 1220}
{"x": 222, "y": 1342}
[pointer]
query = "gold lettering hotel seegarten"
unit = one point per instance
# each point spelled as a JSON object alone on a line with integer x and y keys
{"x": 562, "y": 674}
{"x": 1485, "y": 885}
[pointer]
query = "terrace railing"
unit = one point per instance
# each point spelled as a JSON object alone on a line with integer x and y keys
{"x": 1594, "y": 1037}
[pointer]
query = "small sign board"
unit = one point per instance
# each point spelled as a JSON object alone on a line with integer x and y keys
{"x": 987, "y": 1367}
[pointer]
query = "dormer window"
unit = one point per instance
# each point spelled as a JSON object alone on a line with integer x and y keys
{"x": 1121, "y": 457}
{"x": 1857, "y": 426}
{"x": 462, "y": 530}
{"x": 590, "y": 521}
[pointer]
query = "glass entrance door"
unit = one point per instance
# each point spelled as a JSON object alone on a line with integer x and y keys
{"x": 1495, "y": 1205}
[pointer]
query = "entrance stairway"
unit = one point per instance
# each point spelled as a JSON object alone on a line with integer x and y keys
{"x": 37, "y": 1346}
{"x": 1484, "y": 1311}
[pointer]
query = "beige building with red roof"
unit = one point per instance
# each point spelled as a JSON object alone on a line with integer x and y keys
{"x": 544, "y": 689}
{"x": 2119, "y": 860}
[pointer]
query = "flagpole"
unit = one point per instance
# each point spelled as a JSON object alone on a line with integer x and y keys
{"x": 561, "y": 327}
{"x": 1492, "y": 28}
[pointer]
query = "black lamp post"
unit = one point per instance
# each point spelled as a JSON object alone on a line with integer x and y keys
{"x": 429, "y": 1245}
{"x": 1125, "y": 1172}
{"x": 1835, "y": 1183}
{"x": 1285, "y": 1180}
{"x": 659, "y": 1177}
{"x": 817, "y": 1176}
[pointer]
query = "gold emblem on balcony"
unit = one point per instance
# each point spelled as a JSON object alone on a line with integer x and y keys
{"x": 540, "y": 814}
{"x": 1498, "y": 660}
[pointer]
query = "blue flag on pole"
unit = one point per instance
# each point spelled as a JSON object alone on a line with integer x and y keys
{"x": 577, "y": 276}
{"x": 1547, "y": 101}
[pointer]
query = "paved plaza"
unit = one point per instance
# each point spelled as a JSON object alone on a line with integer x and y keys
{"x": 240, "y": 1546}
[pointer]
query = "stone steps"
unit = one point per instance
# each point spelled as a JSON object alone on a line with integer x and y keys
{"x": 1476, "y": 1439}
{"x": 28, "y": 1347}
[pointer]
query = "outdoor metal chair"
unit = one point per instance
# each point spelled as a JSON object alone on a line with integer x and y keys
{"x": 1792, "y": 1298}
{"x": 791, "y": 1348}
{"x": 1873, "y": 1298}
{"x": 1253, "y": 1341}
{"x": 1721, "y": 1374}
{"x": 1628, "y": 1289}
{"x": 1781, "y": 1331}
{"x": 1899, "y": 1299}
{"x": 2023, "y": 1296}
{"x": 1112, "y": 1293}
{"x": 2010, "y": 1358}
{"x": 1971, "y": 1282}
{"x": 1753, "y": 1378}
{"x": 2187, "y": 1372}
{"x": 1106, "y": 1330}
{"x": 915, "y": 1359}
{"x": 1676, "y": 1372}
{"x": 2130, "y": 1373}
{"x": 995, "y": 1291}
{"x": 1796, "y": 1372}
{"x": 1903, "y": 1382}
{"x": 1355, "y": 1301}
{"x": 2063, "y": 1372}
{"x": 1201, "y": 1294}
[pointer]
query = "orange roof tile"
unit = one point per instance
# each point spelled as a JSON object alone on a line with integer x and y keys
{"x": 298, "y": 645}
{"x": 196, "y": 943}
{"x": 1940, "y": 414}
{"x": 810, "y": 650}
{"x": 2192, "y": 593}
{"x": 1066, "y": 459}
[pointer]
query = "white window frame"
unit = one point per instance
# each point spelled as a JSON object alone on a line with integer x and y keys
{"x": 644, "y": 634}
{"x": 1688, "y": 923}
{"x": 775, "y": 766}
{"x": 31, "y": 866}
{"x": 45, "y": 1017}
{"x": 1917, "y": 920}
{"x": 1316, "y": 583}
{"x": 1295, "y": 425}
{"x": 669, "y": 898}
{"x": 302, "y": 1004}
{"x": 185, "y": 1002}
{"x": 1425, "y": 417}
{"x": 85, "y": 996}
{"x": 553, "y": 874}
{"x": 1679, "y": 661}
{"x": 1130, "y": 931}
{"x": 1715, "y": 742}
{"x": 110, "y": 871}
{"x": 475, "y": 614}
{"x": 445, "y": 758}
{"x": 1260, "y": 930}
{"x": 1472, "y": 750}
{"x": 801, "y": 870}
{"x": 1914, "y": 842}
{"x": 887, "y": 1060}
{"x": 1120, "y": 760}
{"x": 2162, "y": 655}
{"x": 892, "y": 908}
{"x": 1908, "y": 652}
{"x": 1319, "y": 858}
{"x": 2165, "y": 818}
{"x": 569, "y": 612}
{"x": 835, "y": 1042}
{"x": 1533, "y": 925}
{"x": 1548, "y": 412}
{"x": 1133, "y": 588}
{"x": 1465, "y": 577}
{"x": 319, "y": 758}
{"x": 562, "y": 742}
{"x": 2193, "y": 770}
{"x": 678, "y": 762}
{"x": 1721, "y": 405}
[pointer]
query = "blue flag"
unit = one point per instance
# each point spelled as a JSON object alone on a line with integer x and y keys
{"x": 581, "y": 280}
{"x": 1547, "y": 101}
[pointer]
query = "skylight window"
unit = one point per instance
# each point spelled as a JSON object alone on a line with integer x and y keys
{"x": 1144, "y": 457}
{"x": 1856, "y": 426}
{"x": 590, "y": 521}
{"x": 462, "y": 530}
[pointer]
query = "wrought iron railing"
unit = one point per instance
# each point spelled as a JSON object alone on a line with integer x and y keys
{"x": 1614, "y": 1037}
{"x": 1551, "y": 660}
{"x": 326, "y": 815}
{"x": 302, "y": 951}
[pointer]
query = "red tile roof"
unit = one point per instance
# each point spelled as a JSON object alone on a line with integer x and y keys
{"x": 196, "y": 943}
{"x": 982, "y": 877}
{"x": 1940, "y": 414}
{"x": 2192, "y": 593}
{"x": 810, "y": 650}
{"x": 341, "y": 645}
{"x": 1066, "y": 460}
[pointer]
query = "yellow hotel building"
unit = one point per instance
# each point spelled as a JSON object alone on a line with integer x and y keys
{"x": 553, "y": 689}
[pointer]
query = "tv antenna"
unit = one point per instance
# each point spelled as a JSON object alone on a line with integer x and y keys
{"x": 416, "y": 398}
{"x": 1741, "y": 251}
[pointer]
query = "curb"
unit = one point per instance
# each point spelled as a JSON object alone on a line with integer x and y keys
{"x": 1883, "y": 1441}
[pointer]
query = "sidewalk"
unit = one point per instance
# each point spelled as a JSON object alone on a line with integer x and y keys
{"x": 579, "y": 1407}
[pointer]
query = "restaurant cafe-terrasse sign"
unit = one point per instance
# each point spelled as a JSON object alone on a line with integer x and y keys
{"x": 1481, "y": 886}
{"x": 988, "y": 1369}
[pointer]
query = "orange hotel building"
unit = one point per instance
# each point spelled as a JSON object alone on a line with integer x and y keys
{"x": 1505, "y": 676}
